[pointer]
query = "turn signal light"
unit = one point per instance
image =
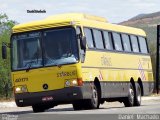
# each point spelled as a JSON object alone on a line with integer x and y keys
{"x": 80, "y": 81}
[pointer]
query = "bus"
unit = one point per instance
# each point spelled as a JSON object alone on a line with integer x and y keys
{"x": 79, "y": 59}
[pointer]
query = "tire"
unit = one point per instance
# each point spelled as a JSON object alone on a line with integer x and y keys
{"x": 137, "y": 100}
{"x": 37, "y": 108}
{"x": 41, "y": 108}
{"x": 78, "y": 105}
{"x": 93, "y": 103}
{"x": 129, "y": 101}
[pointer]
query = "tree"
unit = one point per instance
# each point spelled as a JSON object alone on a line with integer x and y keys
{"x": 5, "y": 33}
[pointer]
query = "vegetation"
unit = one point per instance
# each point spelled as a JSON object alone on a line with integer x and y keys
{"x": 5, "y": 32}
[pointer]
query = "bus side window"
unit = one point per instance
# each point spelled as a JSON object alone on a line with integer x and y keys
{"x": 108, "y": 40}
{"x": 98, "y": 39}
{"x": 89, "y": 37}
{"x": 117, "y": 41}
{"x": 126, "y": 42}
{"x": 134, "y": 42}
{"x": 143, "y": 44}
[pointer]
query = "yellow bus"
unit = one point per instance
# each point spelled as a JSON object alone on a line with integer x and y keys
{"x": 79, "y": 59}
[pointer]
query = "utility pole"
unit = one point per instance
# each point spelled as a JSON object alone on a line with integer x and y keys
{"x": 158, "y": 59}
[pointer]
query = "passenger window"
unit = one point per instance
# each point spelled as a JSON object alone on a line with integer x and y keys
{"x": 143, "y": 45}
{"x": 126, "y": 42}
{"x": 134, "y": 43}
{"x": 89, "y": 37}
{"x": 117, "y": 41}
{"x": 98, "y": 39}
{"x": 108, "y": 40}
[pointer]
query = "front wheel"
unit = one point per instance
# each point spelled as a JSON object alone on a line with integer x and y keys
{"x": 78, "y": 105}
{"x": 93, "y": 103}
{"x": 129, "y": 101}
{"x": 41, "y": 108}
{"x": 37, "y": 108}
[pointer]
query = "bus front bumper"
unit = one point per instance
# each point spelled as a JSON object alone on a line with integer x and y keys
{"x": 54, "y": 97}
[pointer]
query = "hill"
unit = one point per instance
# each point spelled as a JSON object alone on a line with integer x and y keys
{"x": 144, "y": 16}
{"x": 147, "y": 22}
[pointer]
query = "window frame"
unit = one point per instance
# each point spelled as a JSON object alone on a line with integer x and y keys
{"x": 110, "y": 35}
{"x": 145, "y": 43}
{"x": 115, "y": 41}
{"x": 101, "y": 38}
{"x": 137, "y": 44}
{"x": 129, "y": 42}
{"x": 91, "y": 36}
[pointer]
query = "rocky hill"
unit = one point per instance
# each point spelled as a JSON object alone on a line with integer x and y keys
{"x": 147, "y": 22}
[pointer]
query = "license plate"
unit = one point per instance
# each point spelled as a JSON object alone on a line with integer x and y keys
{"x": 48, "y": 98}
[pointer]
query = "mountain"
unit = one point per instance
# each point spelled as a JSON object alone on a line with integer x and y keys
{"x": 143, "y": 16}
{"x": 147, "y": 22}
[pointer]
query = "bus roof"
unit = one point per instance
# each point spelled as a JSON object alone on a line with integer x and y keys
{"x": 77, "y": 19}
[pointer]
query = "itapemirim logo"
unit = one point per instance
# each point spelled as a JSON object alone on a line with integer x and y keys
{"x": 36, "y": 11}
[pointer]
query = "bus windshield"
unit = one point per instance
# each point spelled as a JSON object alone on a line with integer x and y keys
{"x": 44, "y": 48}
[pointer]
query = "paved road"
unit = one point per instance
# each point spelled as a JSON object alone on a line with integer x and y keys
{"x": 65, "y": 112}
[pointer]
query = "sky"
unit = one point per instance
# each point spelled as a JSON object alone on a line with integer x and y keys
{"x": 114, "y": 11}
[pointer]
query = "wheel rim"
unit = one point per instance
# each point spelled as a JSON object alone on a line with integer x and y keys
{"x": 95, "y": 97}
{"x": 131, "y": 95}
{"x": 139, "y": 95}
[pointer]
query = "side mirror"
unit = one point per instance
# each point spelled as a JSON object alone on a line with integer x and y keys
{"x": 83, "y": 42}
{"x": 4, "y": 51}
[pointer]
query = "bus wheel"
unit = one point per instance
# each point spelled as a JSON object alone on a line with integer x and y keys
{"x": 93, "y": 103}
{"x": 137, "y": 100}
{"x": 37, "y": 108}
{"x": 78, "y": 105}
{"x": 129, "y": 101}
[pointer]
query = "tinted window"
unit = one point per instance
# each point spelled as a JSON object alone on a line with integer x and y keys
{"x": 60, "y": 46}
{"x": 98, "y": 39}
{"x": 134, "y": 43}
{"x": 117, "y": 41}
{"x": 143, "y": 45}
{"x": 89, "y": 38}
{"x": 126, "y": 43}
{"x": 108, "y": 40}
{"x": 26, "y": 51}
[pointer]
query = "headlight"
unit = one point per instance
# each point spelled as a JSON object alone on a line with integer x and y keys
{"x": 72, "y": 82}
{"x": 20, "y": 89}
{"x": 67, "y": 83}
{"x": 17, "y": 89}
{"x": 24, "y": 89}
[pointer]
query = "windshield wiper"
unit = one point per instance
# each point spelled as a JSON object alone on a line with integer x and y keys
{"x": 29, "y": 65}
{"x": 36, "y": 56}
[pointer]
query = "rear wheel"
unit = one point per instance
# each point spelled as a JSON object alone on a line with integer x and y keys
{"x": 129, "y": 101}
{"x": 137, "y": 100}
